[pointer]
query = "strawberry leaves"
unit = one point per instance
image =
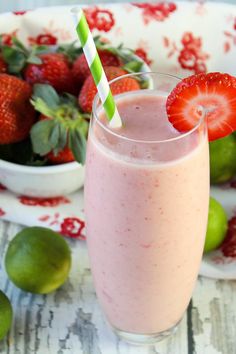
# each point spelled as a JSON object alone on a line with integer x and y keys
{"x": 77, "y": 144}
{"x": 17, "y": 56}
{"x": 46, "y": 99}
{"x": 132, "y": 63}
{"x": 40, "y": 136}
{"x": 133, "y": 66}
{"x": 74, "y": 50}
{"x": 14, "y": 59}
{"x": 61, "y": 123}
{"x": 71, "y": 50}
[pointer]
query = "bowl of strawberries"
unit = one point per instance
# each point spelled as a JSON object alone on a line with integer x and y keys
{"x": 46, "y": 95}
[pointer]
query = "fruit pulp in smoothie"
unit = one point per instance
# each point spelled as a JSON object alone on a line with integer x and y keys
{"x": 146, "y": 207}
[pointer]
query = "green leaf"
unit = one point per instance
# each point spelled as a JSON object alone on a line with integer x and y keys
{"x": 77, "y": 144}
{"x": 40, "y": 136}
{"x": 36, "y": 50}
{"x": 40, "y": 106}
{"x": 67, "y": 98}
{"x": 144, "y": 83}
{"x": 54, "y": 136}
{"x": 72, "y": 51}
{"x": 40, "y": 49}
{"x": 1, "y": 40}
{"x": 62, "y": 137}
{"x": 101, "y": 44}
{"x": 15, "y": 60}
{"x": 97, "y": 40}
{"x": 47, "y": 95}
{"x": 83, "y": 127}
{"x": 33, "y": 59}
{"x": 18, "y": 44}
{"x": 133, "y": 66}
{"x": 18, "y": 55}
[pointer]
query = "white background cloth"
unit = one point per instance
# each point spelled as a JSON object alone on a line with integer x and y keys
{"x": 17, "y": 5}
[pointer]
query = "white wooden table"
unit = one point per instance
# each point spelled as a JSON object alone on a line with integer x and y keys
{"x": 69, "y": 321}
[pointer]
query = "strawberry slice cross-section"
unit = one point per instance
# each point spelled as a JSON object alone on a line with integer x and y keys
{"x": 212, "y": 93}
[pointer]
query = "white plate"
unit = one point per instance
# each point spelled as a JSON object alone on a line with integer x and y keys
{"x": 179, "y": 38}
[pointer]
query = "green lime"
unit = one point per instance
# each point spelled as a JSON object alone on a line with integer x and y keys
{"x": 6, "y": 315}
{"x": 38, "y": 260}
{"x": 223, "y": 159}
{"x": 216, "y": 227}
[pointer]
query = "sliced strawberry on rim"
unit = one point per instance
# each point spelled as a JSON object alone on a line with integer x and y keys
{"x": 213, "y": 93}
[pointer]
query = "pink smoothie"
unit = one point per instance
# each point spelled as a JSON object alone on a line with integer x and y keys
{"x": 146, "y": 211}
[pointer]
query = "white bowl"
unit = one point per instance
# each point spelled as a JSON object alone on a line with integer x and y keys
{"x": 45, "y": 181}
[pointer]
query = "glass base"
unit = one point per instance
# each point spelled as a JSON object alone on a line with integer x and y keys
{"x": 145, "y": 339}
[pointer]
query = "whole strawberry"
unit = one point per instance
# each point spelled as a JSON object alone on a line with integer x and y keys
{"x": 89, "y": 89}
{"x": 54, "y": 70}
{"x": 16, "y": 113}
{"x": 80, "y": 67}
{"x": 61, "y": 132}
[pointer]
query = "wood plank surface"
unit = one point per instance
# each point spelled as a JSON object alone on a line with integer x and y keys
{"x": 69, "y": 321}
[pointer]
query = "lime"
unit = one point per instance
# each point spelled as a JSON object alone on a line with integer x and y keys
{"x": 216, "y": 227}
{"x": 223, "y": 159}
{"x": 5, "y": 315}
{"x": 38, "y": 260}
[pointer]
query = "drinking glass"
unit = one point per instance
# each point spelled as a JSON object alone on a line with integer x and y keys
{"x": 146, "y": 208}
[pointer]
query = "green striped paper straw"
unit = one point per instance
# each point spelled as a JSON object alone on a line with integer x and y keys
{"x": 96, "y": 68}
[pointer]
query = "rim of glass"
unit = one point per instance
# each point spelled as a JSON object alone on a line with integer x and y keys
{"x": 151, "y": 73}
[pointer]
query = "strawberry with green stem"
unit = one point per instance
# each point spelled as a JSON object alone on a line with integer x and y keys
{"x": 128, "y": 59}
{"x": 38, "y": 64}
{"x": 54, "y": 69}
{"x": 62, "y": 129}
{"x": 109, "y": 56}
{"x": 17, "y": 56}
